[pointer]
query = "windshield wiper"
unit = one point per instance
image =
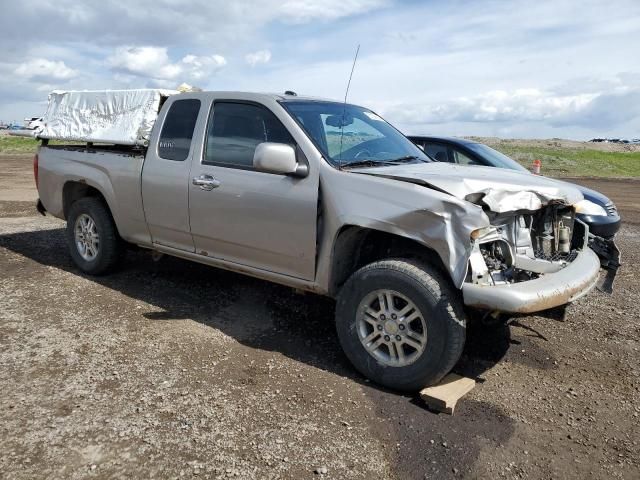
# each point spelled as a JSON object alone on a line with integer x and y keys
{"x": 366, "y": 163}
{"x": 405, "y": 158}
{"x": 381, "y": 163}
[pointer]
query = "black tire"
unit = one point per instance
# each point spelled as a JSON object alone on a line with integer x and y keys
{"x": 441, "y": 309}
{"x": 110, "y": 248}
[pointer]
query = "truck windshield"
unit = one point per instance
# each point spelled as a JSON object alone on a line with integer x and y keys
{"x": 351, "y": 136}
{"x": 495, "y": 158}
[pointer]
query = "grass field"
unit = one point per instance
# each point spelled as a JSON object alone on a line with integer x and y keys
{"x": 10, "y": 144}
{"x": 559, "y": 161}
{"x": 16, "y": 145}
{"x": 571, "y": 159}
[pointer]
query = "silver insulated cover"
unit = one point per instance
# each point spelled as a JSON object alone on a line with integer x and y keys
{"x": 123, "y": 117}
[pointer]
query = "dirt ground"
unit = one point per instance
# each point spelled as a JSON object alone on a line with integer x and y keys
{"x": 170, "y": 369}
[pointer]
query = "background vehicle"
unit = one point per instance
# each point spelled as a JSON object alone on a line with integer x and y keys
{"x": 31, "y": 123}
{"x": 329, "y": 198}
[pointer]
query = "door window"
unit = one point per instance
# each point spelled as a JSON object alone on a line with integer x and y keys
{"x": 177, "y": 131}
{"x": 236, "y": 129}
{"x": 440, "y": 153}
{"x": 446, "y": 153}
{"x": 463, "y": 159}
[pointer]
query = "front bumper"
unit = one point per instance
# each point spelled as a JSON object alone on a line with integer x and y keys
{"x": 547, "y": 291}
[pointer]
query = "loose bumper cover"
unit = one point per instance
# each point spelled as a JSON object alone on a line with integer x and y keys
{"x": 550, "y": 290}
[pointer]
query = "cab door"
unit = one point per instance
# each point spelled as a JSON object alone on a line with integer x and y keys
{"x": 165, "y": 175}
{"x": 262, "y": 220}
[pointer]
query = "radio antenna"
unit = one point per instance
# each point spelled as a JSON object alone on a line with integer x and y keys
{"x": 344, "y": 107}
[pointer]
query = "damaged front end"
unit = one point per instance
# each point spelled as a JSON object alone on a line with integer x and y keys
{"x": 533, "y": 255}
{"x": 528, "y": 261}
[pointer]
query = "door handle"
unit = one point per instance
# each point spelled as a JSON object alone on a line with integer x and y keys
{"x": 206, "y": 182}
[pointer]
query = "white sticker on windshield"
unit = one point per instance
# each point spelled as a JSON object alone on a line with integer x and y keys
{"x": 373, "y": 116}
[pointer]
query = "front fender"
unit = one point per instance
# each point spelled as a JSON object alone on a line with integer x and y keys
{"x": 434, "y": 219}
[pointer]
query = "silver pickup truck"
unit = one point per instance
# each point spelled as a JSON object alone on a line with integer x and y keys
{"x": 329, "y": 198}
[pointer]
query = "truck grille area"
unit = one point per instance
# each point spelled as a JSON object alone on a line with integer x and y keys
{"x": 558, "y": 256}
{"x": 524, "y": 246}
{"x": 552, "y": 231}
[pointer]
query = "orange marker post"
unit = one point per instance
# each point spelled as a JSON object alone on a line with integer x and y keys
{"x": 537, "y": 164}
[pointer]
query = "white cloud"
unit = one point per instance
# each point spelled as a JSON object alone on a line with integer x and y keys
{"x": 528, "y": 104}
{"x": 535, "y": 68}
{"x": 45, "y": 87}
{"x": 303, "y": 11}
{"x": 523, "y": 112}
{"x": 261, "y": 56}
{"x": 154, "y": 63}
{"x": 199, "y": 67}
{"x": 41, "y": 68}
{"x": 170, "y": 22}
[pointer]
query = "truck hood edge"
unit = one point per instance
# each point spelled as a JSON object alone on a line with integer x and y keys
{"x": 503, "y": 191}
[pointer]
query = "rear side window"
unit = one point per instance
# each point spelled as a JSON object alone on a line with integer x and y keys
{"x": 236, "y": 129}
{"x": 177, "y": 131}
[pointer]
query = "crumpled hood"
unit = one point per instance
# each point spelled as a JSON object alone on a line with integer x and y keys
{"x": 501, "y": 190}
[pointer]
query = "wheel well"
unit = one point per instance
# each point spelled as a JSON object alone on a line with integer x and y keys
{"x": 73, "y": 191}
{"x": 356, "y": 247}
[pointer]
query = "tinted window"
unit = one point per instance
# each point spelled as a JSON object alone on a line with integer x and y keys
{"x": 236, "y": 129}
{"x": 463, "y": 159}
{"x": 177, "y": 131}
{"x": 440, "y": 153}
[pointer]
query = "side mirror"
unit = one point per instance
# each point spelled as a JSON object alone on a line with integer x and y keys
{"x": 277, "y": 158}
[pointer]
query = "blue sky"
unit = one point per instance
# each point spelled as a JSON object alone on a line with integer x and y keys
{"x": 516, "y": 68}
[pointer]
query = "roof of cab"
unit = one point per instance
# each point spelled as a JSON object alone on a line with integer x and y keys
{"x": 263, "y": 96}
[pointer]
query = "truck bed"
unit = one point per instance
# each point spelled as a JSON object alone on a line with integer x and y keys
{"x": 113, "y": 170}
{"x": 122, "y": 150}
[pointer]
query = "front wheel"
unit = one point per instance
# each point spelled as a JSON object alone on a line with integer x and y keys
{"x": 94, "y": 243}
{"x": 401, "y": 324}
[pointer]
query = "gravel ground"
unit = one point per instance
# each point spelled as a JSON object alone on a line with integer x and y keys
{"x": 171, "y": 369}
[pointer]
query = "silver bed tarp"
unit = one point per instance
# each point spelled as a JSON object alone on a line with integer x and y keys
{"x": 123, "y": 117}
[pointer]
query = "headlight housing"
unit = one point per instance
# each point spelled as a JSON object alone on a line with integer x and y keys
{"x": 587, "y": 207}
{"x": 481, "y": 232}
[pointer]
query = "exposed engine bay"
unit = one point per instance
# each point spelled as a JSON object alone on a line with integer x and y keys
{"x": 522, "y": 246}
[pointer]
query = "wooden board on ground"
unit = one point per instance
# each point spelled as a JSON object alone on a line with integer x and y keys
{"x": 444, "y": 396}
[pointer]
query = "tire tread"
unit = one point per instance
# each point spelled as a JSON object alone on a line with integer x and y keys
{"x": 440, "y": 287}
{"x": 111, "y": 245}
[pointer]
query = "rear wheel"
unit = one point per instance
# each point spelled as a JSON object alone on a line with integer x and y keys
{"x": 400, "y": 323}
{"x": 94, "y": 243}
